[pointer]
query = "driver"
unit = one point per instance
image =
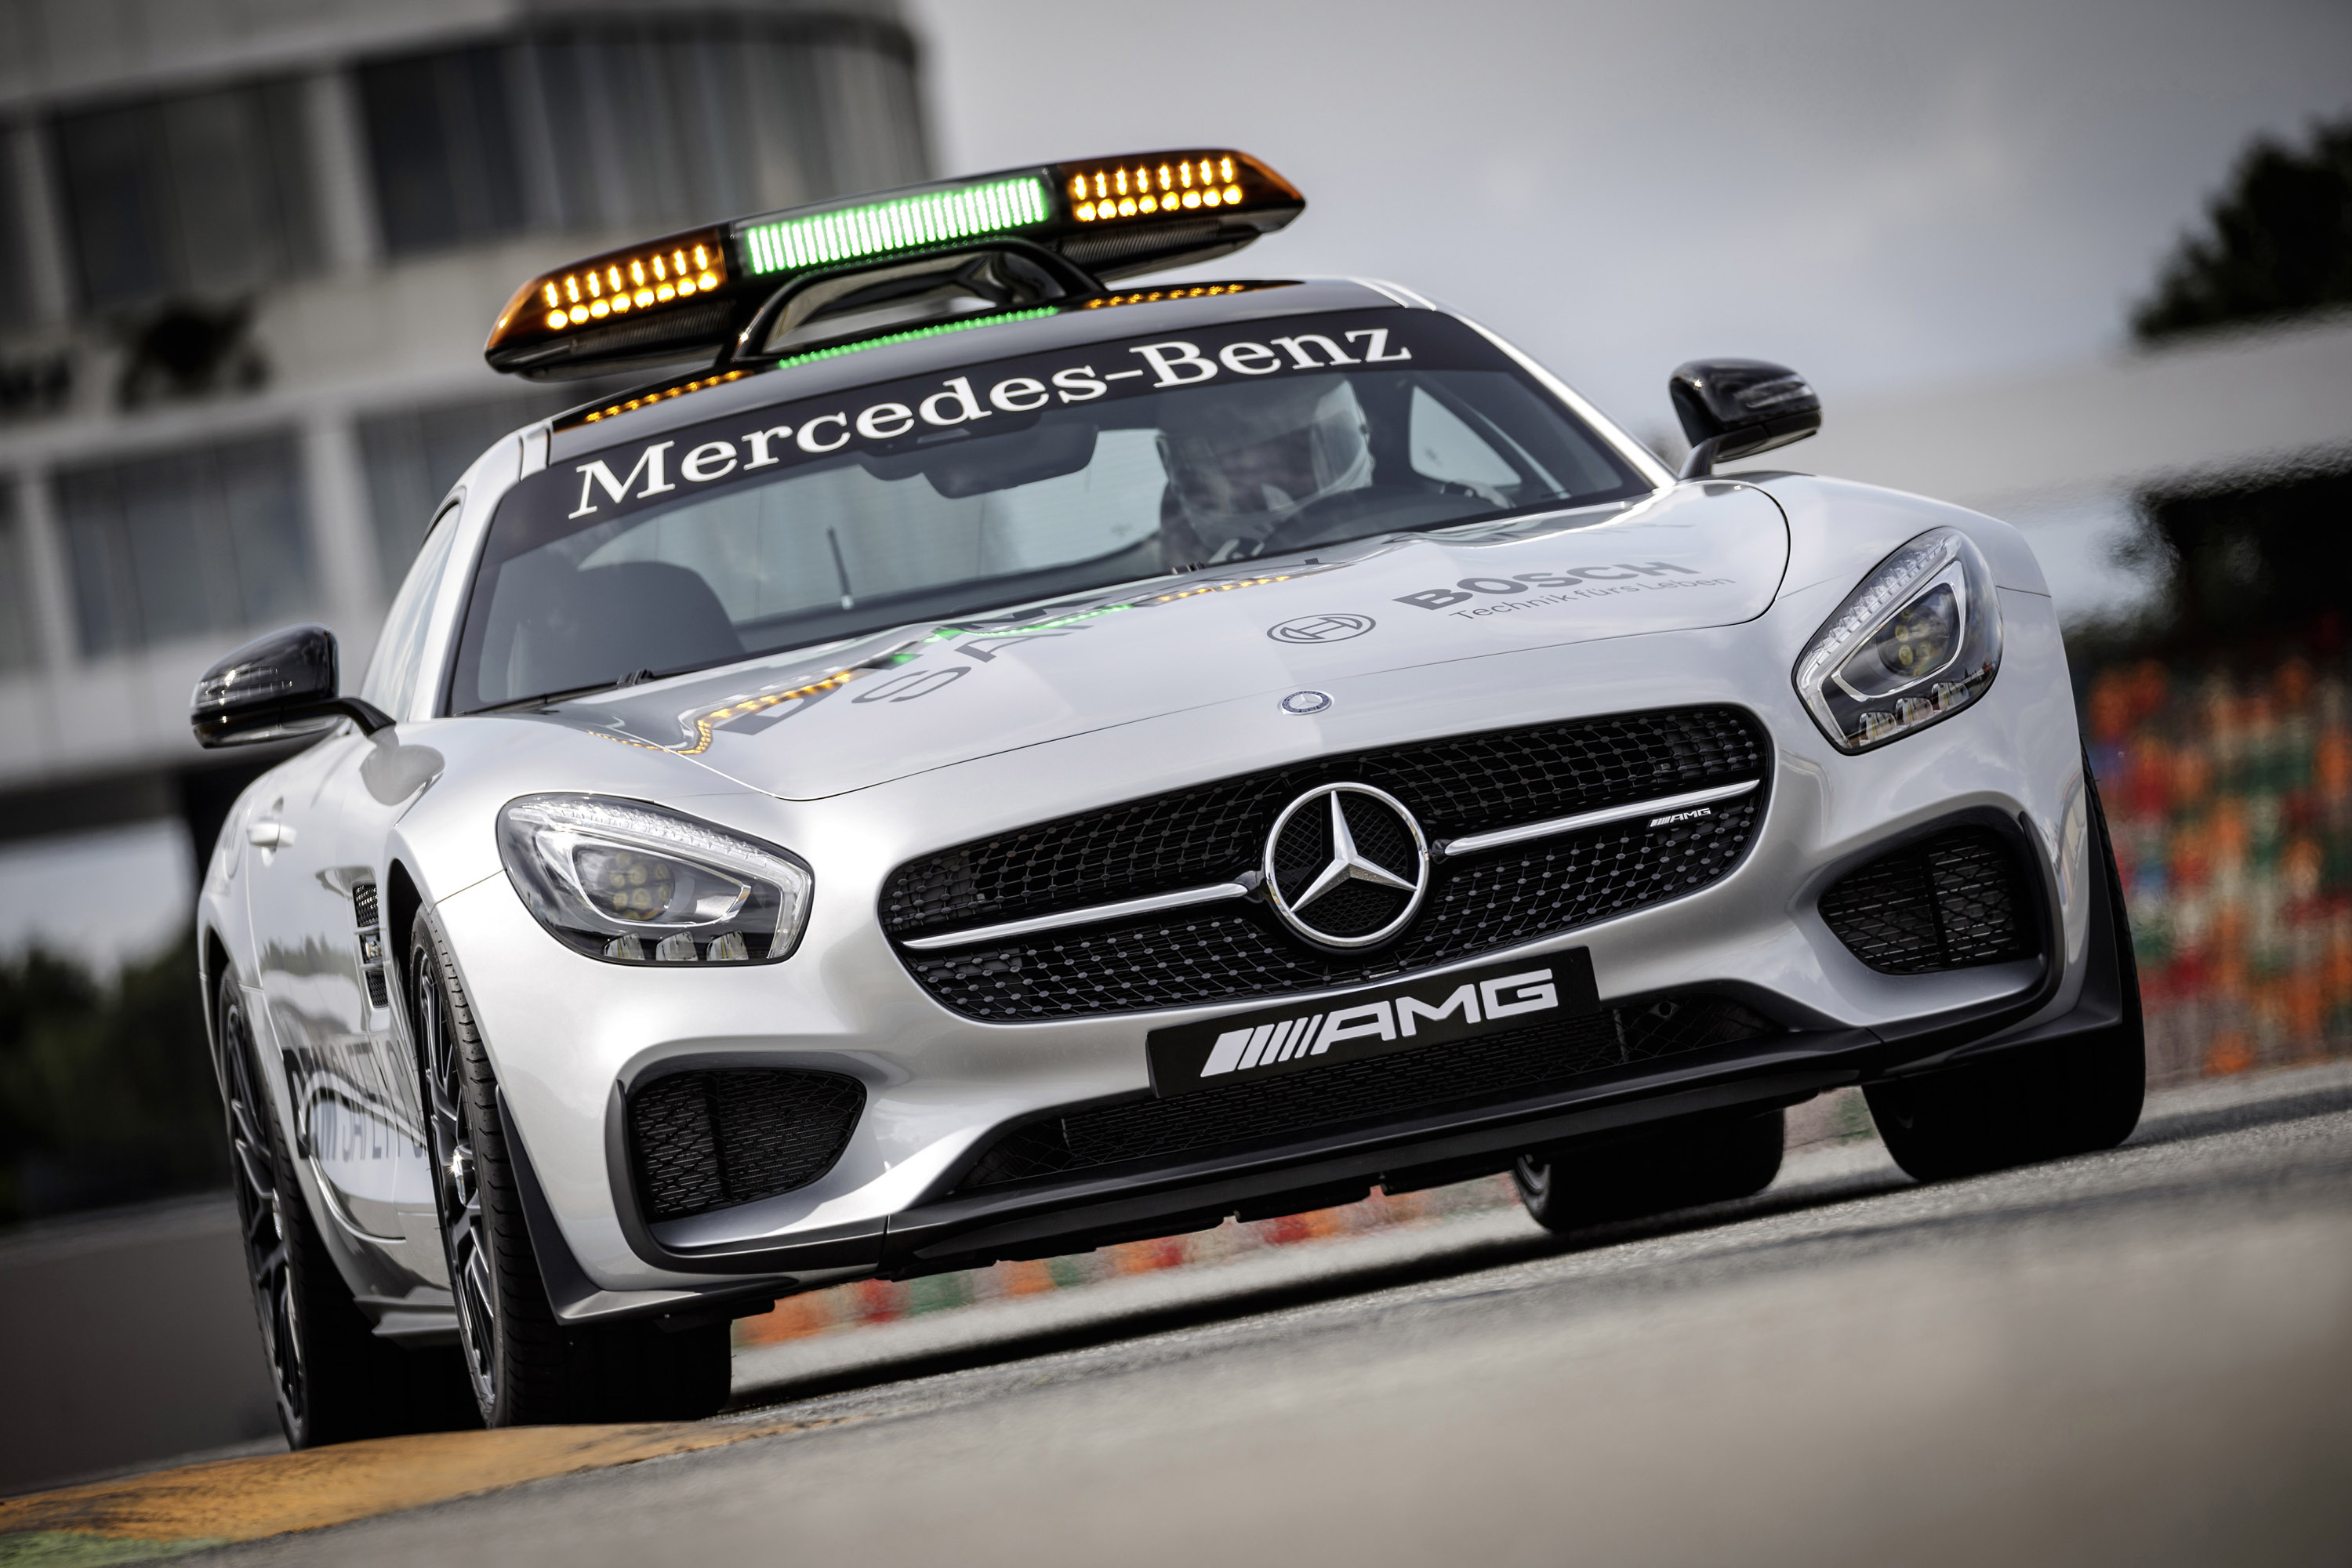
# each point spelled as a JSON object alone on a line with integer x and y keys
{"x": 1244, "y": 460}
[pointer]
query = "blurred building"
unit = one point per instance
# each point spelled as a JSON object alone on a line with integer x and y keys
{"x": 248, "y": 255}
{"x": 2079, "y": 456}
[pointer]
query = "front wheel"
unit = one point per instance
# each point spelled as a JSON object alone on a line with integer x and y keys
{"x": 1679, "y": 1165}
{"x": 526, "y": 1366}
{"x": 2038, "y": 1102}
{"x": 334, "y": 1379}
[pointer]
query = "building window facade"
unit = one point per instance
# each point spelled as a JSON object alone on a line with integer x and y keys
{"x": 17, "y": 306}
{"x": 205, "y": 195}
{"x": 186, "y": 544}
{"x": 19, "y": 644}
{"x": 441, "y": 141}
{"x": 647, "y": 125}
{"x": 413, "y": 457}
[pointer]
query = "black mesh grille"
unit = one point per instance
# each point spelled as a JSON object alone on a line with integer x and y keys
{"x": 1458, "y": 785}
{"x": 1956, "y": 901}
{"x": 1466, "y": 784}
{"x": 1475, "y": 905}
{"x": 702, "y": 1141}
{"x": 1502, "y": 1066}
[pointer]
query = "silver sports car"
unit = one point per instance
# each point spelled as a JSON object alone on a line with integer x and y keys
{"x": 990, "y": 762}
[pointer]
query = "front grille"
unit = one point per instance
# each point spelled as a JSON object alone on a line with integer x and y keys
{"x": 1466, "y": 784}
{"x": 1213, "y": 832}
{"x": 1497, "y": 1066}
{"x": 703, "y": 1141}
{"x": 1954, "y": 901}
{"x": 1475, "y": 906}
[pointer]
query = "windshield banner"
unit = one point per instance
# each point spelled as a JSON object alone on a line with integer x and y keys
{"x": 925, "y": 414}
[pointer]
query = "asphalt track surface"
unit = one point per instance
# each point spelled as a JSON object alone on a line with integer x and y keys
{"x": 2143, "y": 1356}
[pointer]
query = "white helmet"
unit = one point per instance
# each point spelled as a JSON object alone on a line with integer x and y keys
{"x": 1243, "y": 461}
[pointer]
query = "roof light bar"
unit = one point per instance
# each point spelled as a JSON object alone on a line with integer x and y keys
{"x": 688, "y": 296}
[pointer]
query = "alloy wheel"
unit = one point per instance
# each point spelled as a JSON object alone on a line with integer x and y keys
{"x": 456, "y": 1178}
{"x": 261, "y": 1218}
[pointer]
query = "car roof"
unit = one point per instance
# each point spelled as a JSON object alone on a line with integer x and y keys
{"x": 667, "y": 405}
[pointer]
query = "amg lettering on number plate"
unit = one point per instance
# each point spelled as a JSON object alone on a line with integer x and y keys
{"x": 1402, "y": 1015}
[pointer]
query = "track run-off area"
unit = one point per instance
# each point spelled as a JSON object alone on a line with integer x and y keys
{"x": 2139, "y": 1356}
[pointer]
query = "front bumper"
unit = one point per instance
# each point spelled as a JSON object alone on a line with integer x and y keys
{"x": 570, "y": 1035}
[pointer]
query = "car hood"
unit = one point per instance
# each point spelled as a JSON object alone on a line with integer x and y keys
{"x": 809, "y": 724}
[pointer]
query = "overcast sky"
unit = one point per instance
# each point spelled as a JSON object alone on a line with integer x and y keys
{"x": 1880, "y": 193}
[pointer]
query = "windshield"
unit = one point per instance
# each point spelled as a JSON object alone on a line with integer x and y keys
{"x": 924, "y": 500}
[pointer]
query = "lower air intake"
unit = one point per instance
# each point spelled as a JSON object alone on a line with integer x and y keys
{"x": 1490, "y": 1068}
{"x": 704, "y": 1141}
{"x": 1957, "y": 901}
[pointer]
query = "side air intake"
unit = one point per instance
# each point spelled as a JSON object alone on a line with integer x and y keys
{"x": 1956, "y": 901}
{"x": 704, "y": 1141}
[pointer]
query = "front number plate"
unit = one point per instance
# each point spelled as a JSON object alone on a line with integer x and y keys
{"x": 1402, "y": 1015}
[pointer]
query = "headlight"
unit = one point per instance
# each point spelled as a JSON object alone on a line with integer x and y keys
{"x": 630, "y": 882}
{"x": 1918, "y": 641}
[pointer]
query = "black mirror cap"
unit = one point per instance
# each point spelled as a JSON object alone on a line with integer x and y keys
{"x": 1738, "y": 408}
{"x": 277, "y": 687}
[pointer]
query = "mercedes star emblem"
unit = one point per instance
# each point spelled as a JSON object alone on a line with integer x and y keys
{"x": 1346, "y": 865}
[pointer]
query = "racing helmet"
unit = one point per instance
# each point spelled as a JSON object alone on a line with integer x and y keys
{"x": 1243, "y": 461}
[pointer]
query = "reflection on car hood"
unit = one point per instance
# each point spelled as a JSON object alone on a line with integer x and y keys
{"x": 803, "y": 726}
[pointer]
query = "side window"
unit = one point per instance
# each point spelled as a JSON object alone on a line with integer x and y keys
{"x": 1447, "y": 450}
{"x": 392, "y": 674}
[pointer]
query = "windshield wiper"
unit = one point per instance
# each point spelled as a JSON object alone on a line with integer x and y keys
{"x": 549, "y": 699}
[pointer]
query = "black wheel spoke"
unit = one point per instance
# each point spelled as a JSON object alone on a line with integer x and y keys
{"x": 268, "y": 1256}
{"x": 454, "y": 1186}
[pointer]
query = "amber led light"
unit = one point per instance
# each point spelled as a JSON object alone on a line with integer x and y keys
{"x": 1159, "y": 186}
{"x": 622, "y": 284}
{"x": 616, "y": 287}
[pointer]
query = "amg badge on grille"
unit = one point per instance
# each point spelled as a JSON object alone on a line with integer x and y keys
{"x": 1402, "y": 1015}
{"x": 1346, "y": 865}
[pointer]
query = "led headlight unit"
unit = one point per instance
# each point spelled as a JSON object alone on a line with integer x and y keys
{"x": 631, "y": 883}
{"x": 1916, "y": 642}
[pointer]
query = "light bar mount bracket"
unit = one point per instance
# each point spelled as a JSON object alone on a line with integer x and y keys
{"x": 1062, "y": 279}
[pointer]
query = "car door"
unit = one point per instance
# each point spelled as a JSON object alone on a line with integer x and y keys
{"x": 315, "y": 847}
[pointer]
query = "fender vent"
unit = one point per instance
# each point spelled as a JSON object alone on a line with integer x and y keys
{"x": 1955, "y": 902}
{"x": 704, "y": 1141}
{"x": 371, "y": 937}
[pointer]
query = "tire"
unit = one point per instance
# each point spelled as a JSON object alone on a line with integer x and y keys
{"x": 334, "y": 1379}
{"x": 525, "y": 1367}
{"x": 1681, "y": 1165}
{"x": 2074, "y": 1096}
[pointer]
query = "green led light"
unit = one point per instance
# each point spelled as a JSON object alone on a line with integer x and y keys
{"x": 914, "y": 332}
{"x": 904, "y": 225}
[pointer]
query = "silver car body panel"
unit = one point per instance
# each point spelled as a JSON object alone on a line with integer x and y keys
{"x": 1704, "y": 593}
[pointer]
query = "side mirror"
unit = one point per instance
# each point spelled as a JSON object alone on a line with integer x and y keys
{"x": 1738, "y": 408}
{"x": 276, "y": 688}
